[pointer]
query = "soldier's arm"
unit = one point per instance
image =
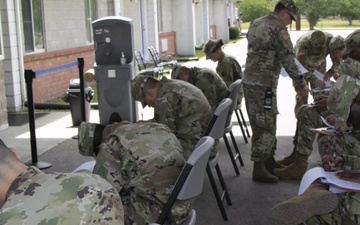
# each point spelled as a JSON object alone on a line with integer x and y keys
{"x": 351, "y": 162}
{"x": 286, "y": 55}
{"x": 226, "y": 73}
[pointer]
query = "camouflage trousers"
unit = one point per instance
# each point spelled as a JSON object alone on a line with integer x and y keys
{"x": 308, "y": 117}
{"x": 262, "y": 122}
{"x": 346, "y": 213}
{"x": 347, "y": 144}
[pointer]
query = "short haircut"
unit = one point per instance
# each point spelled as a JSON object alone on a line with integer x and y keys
{"x": 279, "y": 7}
{"x": 150, "y": 84}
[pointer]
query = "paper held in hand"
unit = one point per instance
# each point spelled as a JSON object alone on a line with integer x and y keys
{"x": 329, "y": 178}
{"x": 302, "y": 69}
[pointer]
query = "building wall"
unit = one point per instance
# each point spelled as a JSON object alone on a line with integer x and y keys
{"x": 64, "y": 24}
{"x": 3, "y": 102}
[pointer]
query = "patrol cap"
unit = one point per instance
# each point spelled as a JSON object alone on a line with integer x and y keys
{"x": 341, "y": 96}
{"x": 177, "y": 71}
{"x": 352, "y": 41}
{"x": 318, "y": 39}
{"x": 137, "y": 87}
{"x": 290, "y": 5}
{"x": 90, "y": 137}
{"x": 211, "y": 46}
{"x": 336, "y": 43}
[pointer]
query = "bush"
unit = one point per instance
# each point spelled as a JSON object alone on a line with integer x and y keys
{"x": 234, "y": 32}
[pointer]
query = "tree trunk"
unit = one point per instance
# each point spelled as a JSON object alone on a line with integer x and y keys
{"x": 350, "y": 22}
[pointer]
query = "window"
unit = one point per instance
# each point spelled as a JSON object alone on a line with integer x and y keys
{"x": 90, "y": 16}
{"x": 159, "y": 17}
{"x": 32, "y": 25}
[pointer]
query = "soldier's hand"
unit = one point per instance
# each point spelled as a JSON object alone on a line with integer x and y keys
{"x": 319, "y": 83}
{"x": 330, "y": 119}
{"x": 327, "y": 76}
{"x": 321, "y": 105}
{"x": 319, "y": 97}
{"x": 332, "y": 162}
{"x": 336, "y": 76}
{"x": 349, "y": 176}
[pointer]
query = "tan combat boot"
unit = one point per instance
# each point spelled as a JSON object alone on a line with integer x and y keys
{"x": 295, "y": 171}
{"x": 316, "y": 200}
{"x": 288, "y": 160}
{"x": 261, "y": 174}
{"x": 271, "y": 164}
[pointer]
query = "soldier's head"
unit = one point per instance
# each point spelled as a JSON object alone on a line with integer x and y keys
{"x": 337, "y": 47}
{"x": 90, "y": 137}
{"x": 286, "y": 10}
{"x": 212, "y": 49}
{"x": 318, "y": 39}
{"x": 10, "y": 168}
{"x": 352, "y": 45}
{"x": 342, "y": 96}
{"x": 181, "y": 73}
{"x": 145, "y": 89}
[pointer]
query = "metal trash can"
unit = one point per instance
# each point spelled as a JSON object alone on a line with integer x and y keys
{"x": 74, "y": 99}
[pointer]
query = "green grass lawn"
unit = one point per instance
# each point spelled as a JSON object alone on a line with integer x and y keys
{"x": 321, "y": 24}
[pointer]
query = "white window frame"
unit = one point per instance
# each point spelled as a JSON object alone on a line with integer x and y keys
{"x": 90, "y": 16}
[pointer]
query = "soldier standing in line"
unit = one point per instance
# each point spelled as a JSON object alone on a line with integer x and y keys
{"x": 29, "y": 196}
{"x": 269, "y": 47}
{"x": 142, "y": 161}
{"x": 178, "y": 104}
{"x": 207, "y": 80}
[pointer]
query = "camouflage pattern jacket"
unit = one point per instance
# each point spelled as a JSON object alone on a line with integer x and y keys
{"x": 184, "y": 109}
{"x": 269, "y": 47}
{"x": 229, "y": 69}
{"x": 350, "y": 67}
{"x": 210, "y": 83}
{"x": 61, "y": 198}
{"x": 142, "y": 161}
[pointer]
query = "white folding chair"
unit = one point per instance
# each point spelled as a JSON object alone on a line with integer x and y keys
{"x": 216, "y": 130}
{"x": 190, "y": 181}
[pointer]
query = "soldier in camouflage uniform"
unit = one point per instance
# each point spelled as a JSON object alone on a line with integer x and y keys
{"x": 178, "y": 104}
{"x": 311, "y": 50}
{"x": 207, "y": 80}
{"x": 269, "y": 47}
{"x": 317, "y": 205}
{"x": 142, "y": 161}
{"x": 309, "y": 115}
{"x": 228, "y": 67}
{"x": 29, "y": 196}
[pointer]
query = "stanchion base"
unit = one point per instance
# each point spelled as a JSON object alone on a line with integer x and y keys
{"x": 41, "y": 165}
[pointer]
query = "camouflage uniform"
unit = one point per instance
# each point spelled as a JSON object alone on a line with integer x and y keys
{"x": 61, "y": 198}
{"x": 340, "y": 99}
{"x": 180, "y": 106}
{"x": 227, "y": 67}
{"x": 142, "y": 161}
{"x": 311, "y": 50}
{"x": 269, "y": 47}
{"x": 208, "y": 81}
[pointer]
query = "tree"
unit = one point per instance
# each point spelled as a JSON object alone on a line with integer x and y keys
{"x": 350, "y": 10}
{"x": 312, "y": 9}
{"x": 252, "y": 9}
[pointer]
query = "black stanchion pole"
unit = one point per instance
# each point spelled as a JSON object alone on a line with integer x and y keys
{"x": 29, "y": 76}
{"x": 82, "y": 86}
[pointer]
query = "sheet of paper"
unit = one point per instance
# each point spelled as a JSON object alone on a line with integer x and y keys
{"x": 309, "y": 177}
{"x": 320, "y": 76}
{"x": 301, "y": 68}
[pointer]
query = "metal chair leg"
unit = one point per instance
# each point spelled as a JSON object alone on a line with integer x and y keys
{"x": 244, "y": 122}
{"x": 232, "y": 157}
{"x": 241, "y": 126}
{"x": 216, "y": 193}
{"x": 238, "y": 155}
{"x": 225, "y": 192}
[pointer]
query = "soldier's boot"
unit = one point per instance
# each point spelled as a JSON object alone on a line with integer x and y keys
{"x": 288, "y": 160}
{"x": 295, "y": 171}
{"x": 260, "y": 173}
{"x": 271, "y": 164}
{"x": 316, "y": 200}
